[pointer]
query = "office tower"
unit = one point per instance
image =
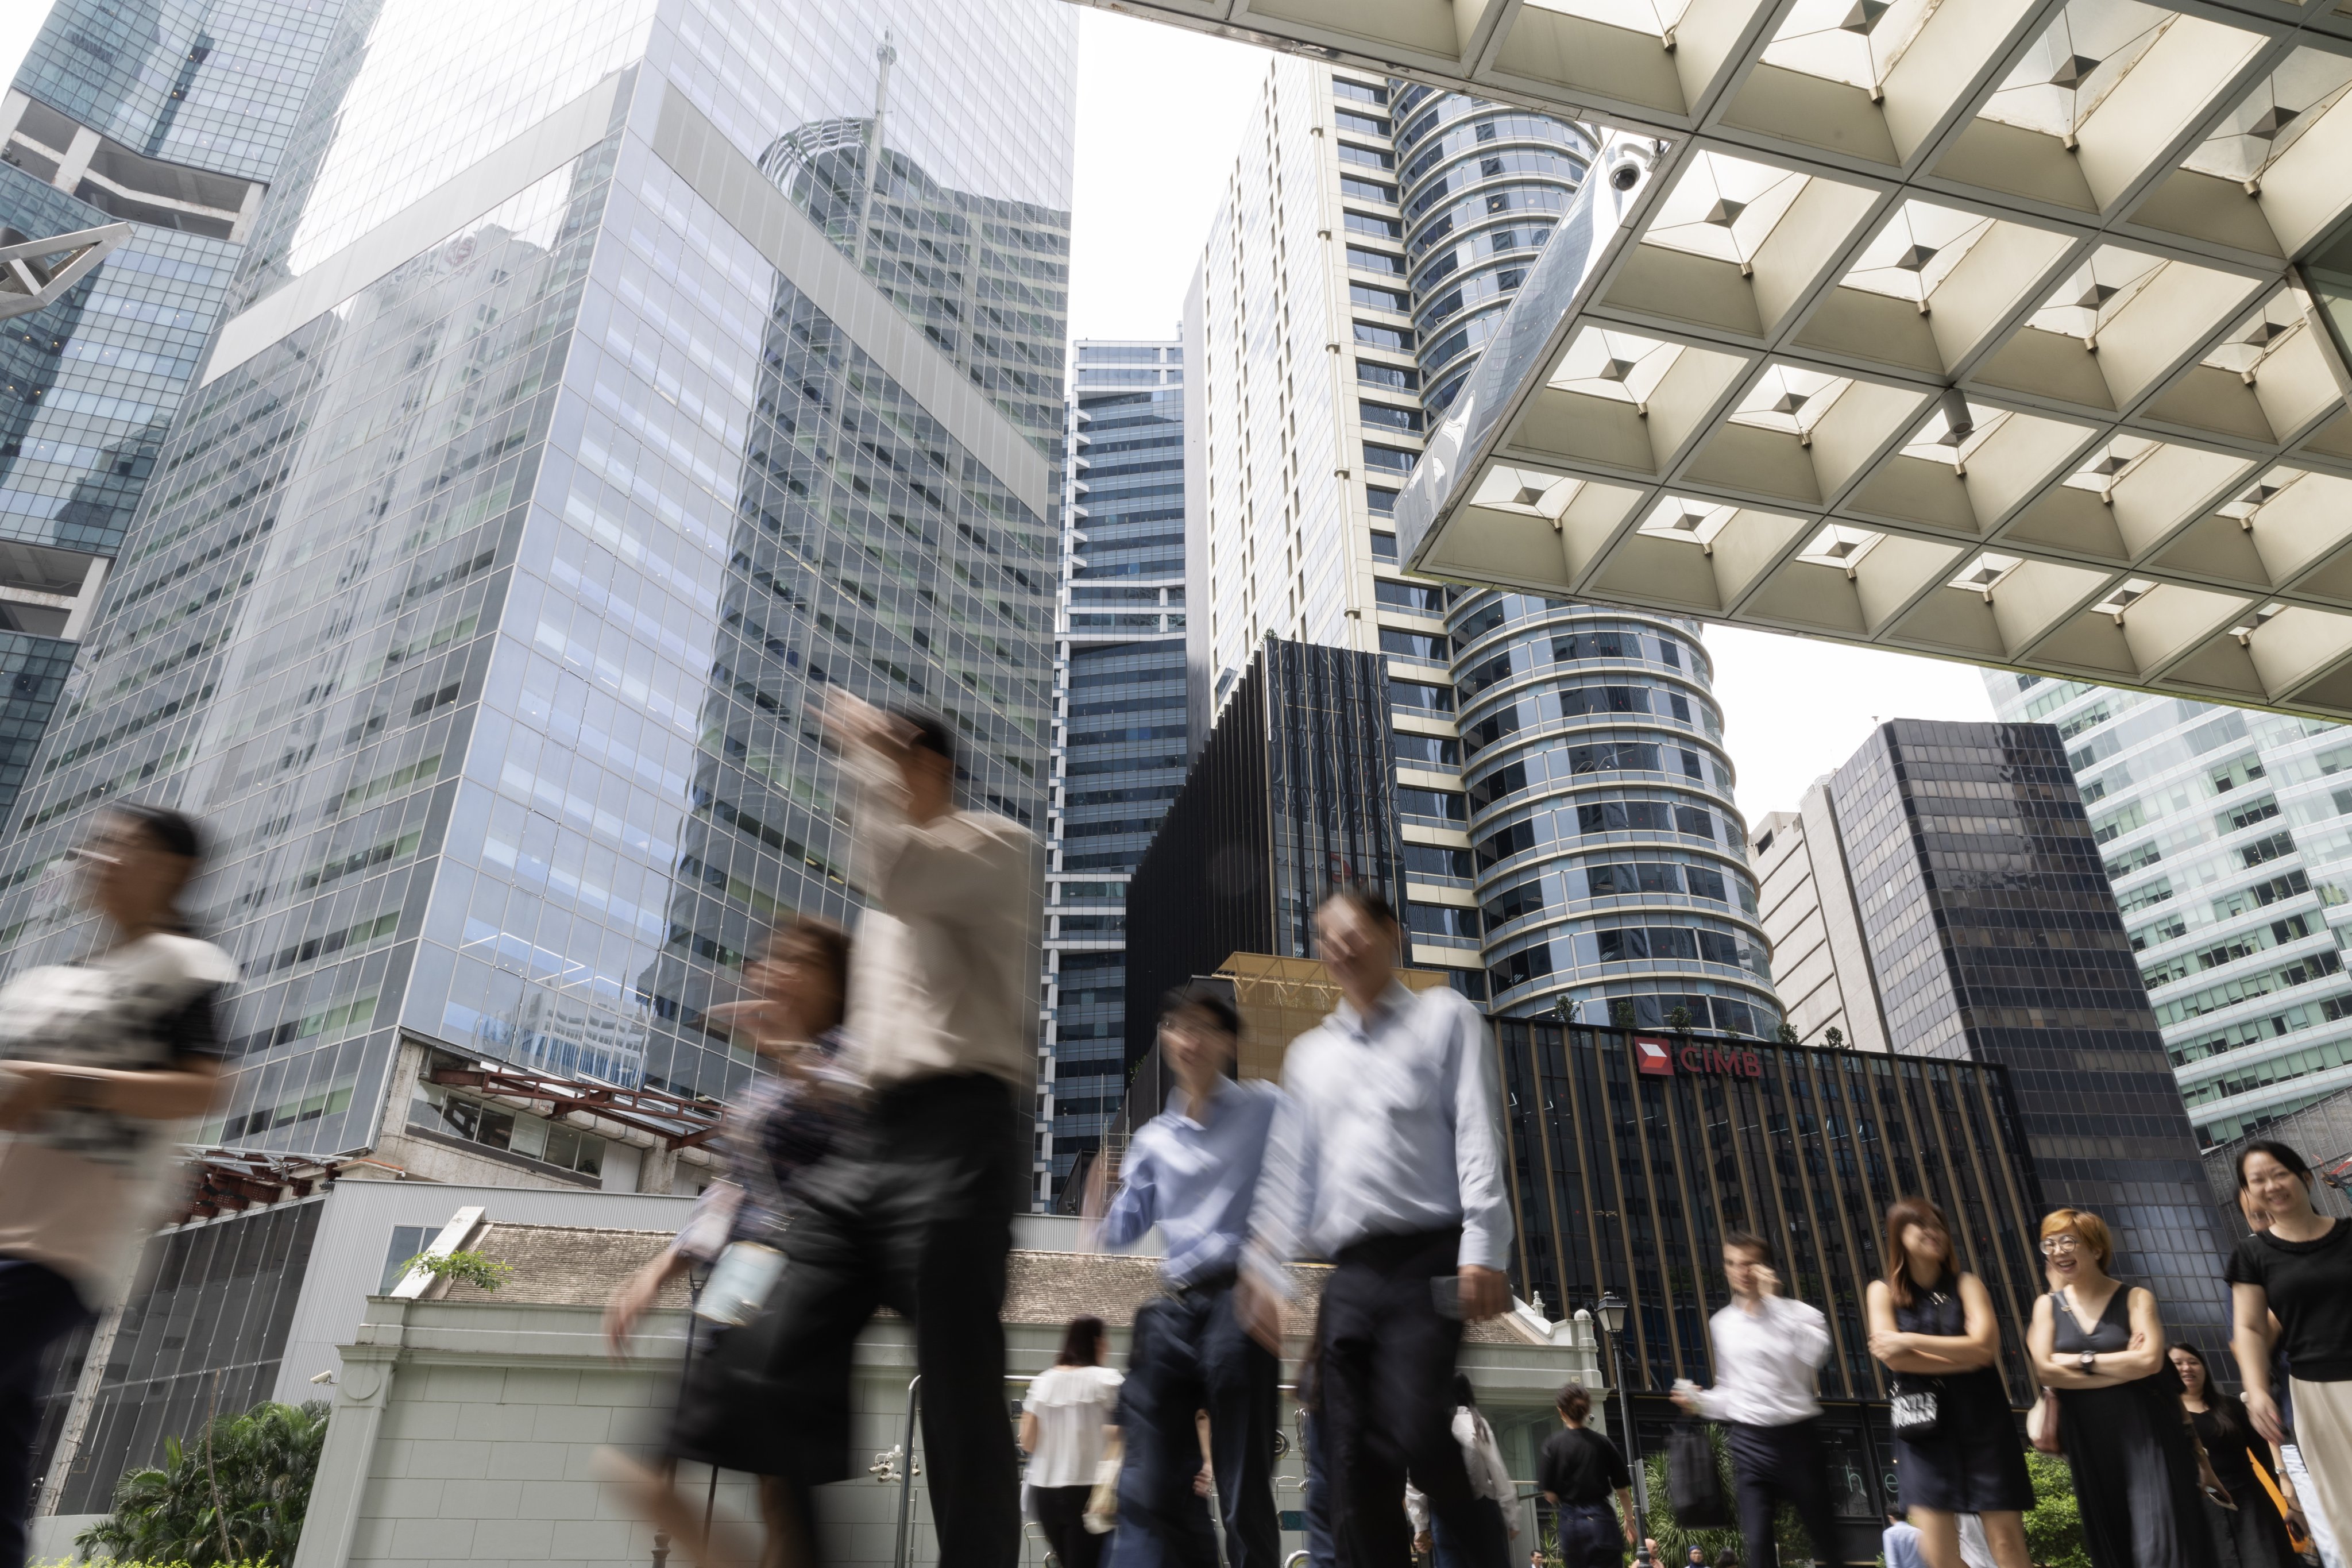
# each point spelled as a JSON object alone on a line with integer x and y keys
{"x": 1630, "y": 1156}
{"x": 1989, "y": 932}
{"x": 560, "y": 447}
{"x": 1571, "y": 838}
{"x": 1290, "y": 792}
{"x": 1119, "y": 723}
{"x": 2229, "y": 839}
{"x": 165, "y": 122}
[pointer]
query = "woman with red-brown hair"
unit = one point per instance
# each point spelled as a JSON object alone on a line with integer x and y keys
{"x": 2100, "y": 1343}
{"x": 1955, "y": 1448}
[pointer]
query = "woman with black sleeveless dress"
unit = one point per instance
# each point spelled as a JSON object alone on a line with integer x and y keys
{"x": 2100, "y": 1343}
{"x": 2251, "y": 1532}
{"x": 1933, "y": 1326}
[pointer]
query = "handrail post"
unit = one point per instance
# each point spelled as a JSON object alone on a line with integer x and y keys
{"x": 907, "y": 1472}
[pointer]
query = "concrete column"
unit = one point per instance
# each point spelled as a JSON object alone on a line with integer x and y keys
{"x": 362, "y": 1393}
{"x": 76, "y": 159}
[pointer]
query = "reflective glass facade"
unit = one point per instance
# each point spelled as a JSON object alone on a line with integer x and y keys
{"x": 1993, "y": 935}
{"x": 1290, "y": 794}
{"x": 205, "y": 1333}
{"x": 1611, "y": 864}
{"x": 1120, "y": 723}
{"x": 2228, "y": 834}
{"x": 1625, "y": 1181}
{"x": 171, "y": 117}
{"x": 482, "y": 612}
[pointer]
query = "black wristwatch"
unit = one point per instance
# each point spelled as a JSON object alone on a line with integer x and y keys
{"x": 2090, "y": 1362}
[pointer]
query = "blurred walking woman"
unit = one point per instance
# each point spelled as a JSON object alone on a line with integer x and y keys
{"x": 1063, "y": 1422}
{"x": 2299, "y": 1273}
{"x": 97, "y": 1060}
{"x": 728, "y": 1414}
{"x": 1933, "y": 1326}
{"x": 2242, "y": 1461}
{"x": 2100, "y": 1343}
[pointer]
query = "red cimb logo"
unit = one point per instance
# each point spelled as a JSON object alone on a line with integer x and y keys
{"x": 1652, "y": 1055}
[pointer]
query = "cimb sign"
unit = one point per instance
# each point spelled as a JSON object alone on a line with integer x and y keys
{"x": 1658, "y": 1057}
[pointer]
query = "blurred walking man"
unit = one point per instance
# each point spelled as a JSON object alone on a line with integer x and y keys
{"x": 1769, "y": 1353}
{"x": 1385, "y": 1159}
{"x": 917, "y": 1213}
{"x": 1194, "y": 1171}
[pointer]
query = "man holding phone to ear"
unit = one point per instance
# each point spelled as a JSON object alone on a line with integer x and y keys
{"x": 1385, "y": 1159}
{"x": 1768, "y": 1351}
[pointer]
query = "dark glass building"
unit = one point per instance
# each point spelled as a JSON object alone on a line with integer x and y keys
{"x": 1629, "y": 1164}
{"x": 1120, "y": 723}
{"x": 1993, "y": 936}
{"x": 1291, "y": 793}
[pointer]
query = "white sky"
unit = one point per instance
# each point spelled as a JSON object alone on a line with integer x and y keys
{"x": 1159, "y": 112}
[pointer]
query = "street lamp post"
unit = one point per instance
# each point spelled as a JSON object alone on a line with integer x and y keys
{"x": 1611, "y": 1312}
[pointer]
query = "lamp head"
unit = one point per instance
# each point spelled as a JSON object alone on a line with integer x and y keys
{"x": 1611, "y": 1312}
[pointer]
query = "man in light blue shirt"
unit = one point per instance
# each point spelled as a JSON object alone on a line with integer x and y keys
{"x": 1194, "y": 1171}
{"x": 1901, "y": 1544}
{"x": 1385, "y": 1158}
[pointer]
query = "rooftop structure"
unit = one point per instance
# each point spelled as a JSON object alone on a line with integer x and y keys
{"x": 1999, "y": 331}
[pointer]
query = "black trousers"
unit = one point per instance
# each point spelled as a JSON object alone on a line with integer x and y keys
{"x": 916, "y": 1216}
{"x": 1063, "y": 1512}
{"x": 1773, "y": 1464}
{"x": 1191, "y": 1353}
{"x": 38, "y": 1306}
{"x": 1387, "y": 1412}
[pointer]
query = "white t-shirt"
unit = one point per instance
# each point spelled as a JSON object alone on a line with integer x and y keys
{"x": 1072, "y": 1405}
{"x": 80, "y": 1190}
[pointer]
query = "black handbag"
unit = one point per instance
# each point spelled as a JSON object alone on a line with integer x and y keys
{"x": 1917, "y": 1408}
{"x": 1694, "y": 1479}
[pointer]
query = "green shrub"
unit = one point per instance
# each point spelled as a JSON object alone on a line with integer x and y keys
{"x": 232, "y": 1497}
{"x": 476, "y": 1269}
{"x": 2053, "y": 1525}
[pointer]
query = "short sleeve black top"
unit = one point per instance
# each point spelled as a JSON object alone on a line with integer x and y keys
{"x": 2309, "y": 1286}
{"x": 1579, "y": 1465}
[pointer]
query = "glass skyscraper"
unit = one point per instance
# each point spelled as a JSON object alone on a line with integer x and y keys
{"x": 2228, "y": 834}
{"x": 562, "y": 441}
{"x": 1961, "y": 855}
{"x": 167, "y": 116}
{"x": 1571, "y": 845}
{"x": 1119, "y": 711}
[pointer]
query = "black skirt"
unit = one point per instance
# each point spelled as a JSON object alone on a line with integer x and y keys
{"x": 729, "y": 1405}
{"x": 1974, "y": 1463}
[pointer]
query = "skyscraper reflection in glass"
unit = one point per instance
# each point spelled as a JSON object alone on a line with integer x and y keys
{"x": 558, "y": 449}
{"x": 167, "y": 118}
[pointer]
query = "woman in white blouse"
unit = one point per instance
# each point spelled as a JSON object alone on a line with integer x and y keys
{"x": 1063, "y": 1423}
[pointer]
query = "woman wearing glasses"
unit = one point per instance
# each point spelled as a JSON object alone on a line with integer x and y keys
{"x": 2100, "y": 1343}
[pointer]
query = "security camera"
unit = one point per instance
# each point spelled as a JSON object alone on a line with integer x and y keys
{"x": 1627, "y": 168}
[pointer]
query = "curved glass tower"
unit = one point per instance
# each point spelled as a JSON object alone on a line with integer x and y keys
{"x": 1609, "y": 862}
{"x": 1482, "y": 185}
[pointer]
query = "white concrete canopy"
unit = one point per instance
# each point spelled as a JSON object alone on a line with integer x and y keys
{"x": 1992, "y": 329}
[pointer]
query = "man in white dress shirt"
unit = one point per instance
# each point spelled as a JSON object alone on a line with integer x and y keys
{"x": 1769, "y": 1353}
{"x": 914, "y": 1209}
{"x": 1385, "y": 1158}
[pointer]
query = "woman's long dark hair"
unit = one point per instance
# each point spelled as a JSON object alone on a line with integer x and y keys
{"x": 1081, "y": 1342}
{"x": 2228, "y": 1410}
{"x": 1901, "y": 1215}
